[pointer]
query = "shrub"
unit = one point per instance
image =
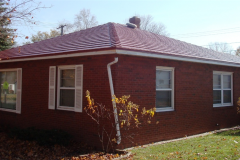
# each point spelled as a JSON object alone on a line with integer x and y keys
{"x": 128, "y": 118}
{"x": 238, "y": 103}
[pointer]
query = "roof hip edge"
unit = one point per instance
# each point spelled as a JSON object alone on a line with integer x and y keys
{"x": 113, "y": 36}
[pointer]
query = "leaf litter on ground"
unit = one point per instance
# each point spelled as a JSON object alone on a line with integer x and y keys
{"x": 15, "y": 149}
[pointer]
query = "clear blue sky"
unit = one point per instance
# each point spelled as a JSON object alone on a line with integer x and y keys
{"x": 221, "y": 17}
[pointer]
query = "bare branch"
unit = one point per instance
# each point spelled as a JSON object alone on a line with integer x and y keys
{"x": 149, "y": 25}
{"x": 84, "y": 20}
{"x": 21, "y": 12}
{"x": 220, "y": 47}
{"x": 14, "y": 13}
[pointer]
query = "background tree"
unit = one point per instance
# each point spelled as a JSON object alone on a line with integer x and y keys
{"x": 84, "y": 19}
{"x": 6, "y": 33}
{"x": 238, "y": 51}
{"x": 14, "y": 13}
{"x": 68, "y": 26}
{"x": 44, "y": 35}
{"x": 220, "y": 47}
{"x": 149, "y": 25}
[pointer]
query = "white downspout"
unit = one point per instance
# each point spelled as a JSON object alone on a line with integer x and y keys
{"x": 113, "y": 102}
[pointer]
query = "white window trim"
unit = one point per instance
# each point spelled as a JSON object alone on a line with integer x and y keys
{"x": 224, "y": 73}
{"x": 10, "y": 110}
{"x": 58, "y": 88}
{"x": 172, "y": 93}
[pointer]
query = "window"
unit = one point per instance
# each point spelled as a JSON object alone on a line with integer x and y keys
{"x": 164, "y": 89}
{"x": 66, "y": 87}
{"x": 222, "y": 89}
{"x": 69, "y": 89}
{"x": 10, "y": 90}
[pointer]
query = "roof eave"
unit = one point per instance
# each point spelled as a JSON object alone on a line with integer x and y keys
{"x": 177, "y": 58}
{"x": 61, "y": 55}
{"x": 122, "y": 51}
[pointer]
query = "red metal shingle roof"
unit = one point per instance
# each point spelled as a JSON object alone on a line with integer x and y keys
{"x": 116, "y": 36}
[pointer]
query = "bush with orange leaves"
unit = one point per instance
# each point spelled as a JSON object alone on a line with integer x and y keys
{"x": 128, "y": 118}
{"x": 238, "y": 103}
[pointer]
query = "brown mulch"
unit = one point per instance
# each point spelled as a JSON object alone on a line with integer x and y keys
{"x": 15, "y": 149}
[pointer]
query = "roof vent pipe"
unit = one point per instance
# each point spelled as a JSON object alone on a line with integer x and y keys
{"x": 131, "y": 25}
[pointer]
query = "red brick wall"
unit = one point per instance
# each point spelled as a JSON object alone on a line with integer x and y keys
{"x": 193, "y": 97}
{"x": 135, "y": 76}
{"x": 35, "y": 81}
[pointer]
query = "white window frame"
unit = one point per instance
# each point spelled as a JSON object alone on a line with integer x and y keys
{"x": 162, "y": 68}
{"x": 19, "y": 91}
{"x": 222, "y": 73}
{"x": 59, "y": 87}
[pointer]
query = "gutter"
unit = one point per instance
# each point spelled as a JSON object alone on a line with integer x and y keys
{"x": 113, "y": 102}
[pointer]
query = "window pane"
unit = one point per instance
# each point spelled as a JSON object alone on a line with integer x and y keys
{"x": 226, "y": 81}
{"x": 67, "y": 97}
{"x": 216, "y": 97}
{"x": 163, "y": 79}
{"x": 163, "y": 99}
{"x": 227, "y": 96}
{"x": 8, "y": 81}
{"x": 216, "y": 81}
{"x": 68, "y": 78}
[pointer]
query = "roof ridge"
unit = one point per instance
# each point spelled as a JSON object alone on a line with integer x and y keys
{"x": 113, "y": 36}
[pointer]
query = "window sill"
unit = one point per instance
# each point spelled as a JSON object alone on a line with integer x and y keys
{"x": 66, "y": 108}
{"x": 164, "y": 110}
{"x": 225, "y": 105}
{"x": 8, "y": 110}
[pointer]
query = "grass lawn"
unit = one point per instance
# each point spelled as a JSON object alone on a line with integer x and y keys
{"x": 224, "y": 145}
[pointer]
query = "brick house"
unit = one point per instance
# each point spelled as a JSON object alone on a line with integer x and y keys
{"x": 193, "y": 88}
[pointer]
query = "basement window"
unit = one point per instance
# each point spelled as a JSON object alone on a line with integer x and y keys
{"x": 164, "y": 89}
{"x": 222, "y": 89}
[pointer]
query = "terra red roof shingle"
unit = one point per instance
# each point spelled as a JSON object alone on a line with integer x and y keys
{"x": 116, "y": 36}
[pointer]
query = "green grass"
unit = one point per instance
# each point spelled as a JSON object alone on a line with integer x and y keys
{"x": 224, "y": 145}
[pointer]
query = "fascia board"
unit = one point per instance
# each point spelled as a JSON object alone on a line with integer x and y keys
{"x": 61, "y": 56}
{"x": 177, "y": 58}
{"x": 126, "y": 52}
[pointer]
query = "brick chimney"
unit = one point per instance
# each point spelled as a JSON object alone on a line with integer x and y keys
{"x": 135, "y": 20}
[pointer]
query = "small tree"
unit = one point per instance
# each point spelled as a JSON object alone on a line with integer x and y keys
{"x": 6, "y": 34}
{"x": 128, "y": 118}
{"x": 15, "y": 12}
